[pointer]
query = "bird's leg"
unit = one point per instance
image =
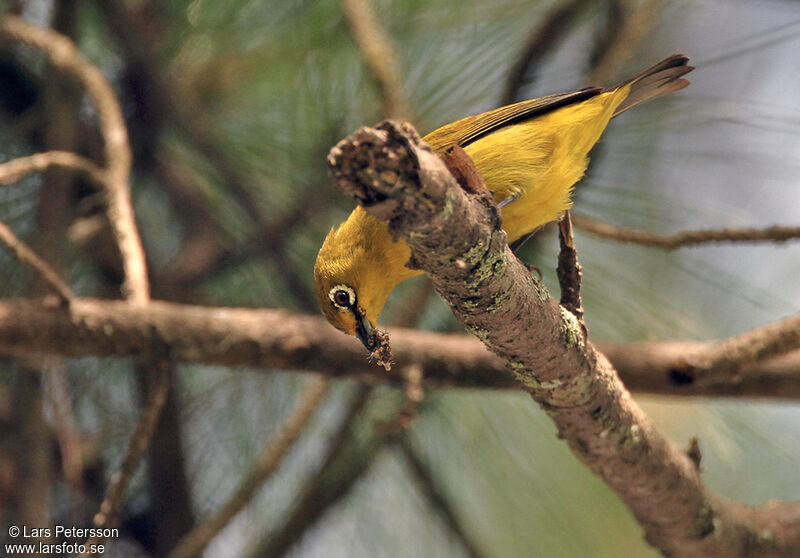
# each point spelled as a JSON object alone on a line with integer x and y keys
{"x": 518, "y": 243}
{"x": 514, "y": 197}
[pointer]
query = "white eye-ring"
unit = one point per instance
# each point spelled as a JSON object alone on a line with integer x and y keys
{"x": 342, "y": 296}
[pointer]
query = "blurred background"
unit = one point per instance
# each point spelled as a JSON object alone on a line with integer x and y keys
{"x": 232, "y": 106}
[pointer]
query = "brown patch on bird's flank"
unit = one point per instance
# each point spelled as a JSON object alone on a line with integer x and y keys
{"x": 383, "y": 354}
{"x": 463, "y": 170}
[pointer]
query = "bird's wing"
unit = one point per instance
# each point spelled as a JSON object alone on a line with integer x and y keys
{"x": 469, "y": 129}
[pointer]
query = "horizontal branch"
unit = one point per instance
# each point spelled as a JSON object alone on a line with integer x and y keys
{"x": 277, "y": 339}
{"x": 684, "y": 238}
{"x": 455, "y": 237}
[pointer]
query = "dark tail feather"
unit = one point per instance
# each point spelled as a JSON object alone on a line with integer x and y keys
{"x": 658, "y": 80}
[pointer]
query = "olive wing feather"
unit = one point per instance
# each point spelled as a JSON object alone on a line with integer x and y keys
{"x": 472, "y": 128}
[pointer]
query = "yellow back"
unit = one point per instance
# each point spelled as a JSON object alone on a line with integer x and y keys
{"x": 541, "y": 159}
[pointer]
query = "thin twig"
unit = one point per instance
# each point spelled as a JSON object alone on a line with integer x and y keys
{"x": 378, "y": 55}
{"x": 725, "y": 360}
{"x": 685, "y": 238}
{"x": 569, "y": 270}
{"x": 16, "y": 169}
{"x": 198, "y": 538}
{"x": 29, "y": 440}
{"x": 140, "y": 439}
{"x": 168, "y": 492}
{"x": 270, "y": 239}
{"x": 68, "y": 438}
{"x": 414, "y": 394}
{"x": 25, "y": 255}
{"x": 325, "y": 487}
{"x": 62, "y": 54}
{"x": 436, "y": 498}
{"x": 544, "y": 39}
{"x": 129, "y": 23}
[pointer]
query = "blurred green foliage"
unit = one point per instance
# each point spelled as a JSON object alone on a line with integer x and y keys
{"x": 267, "y": 87}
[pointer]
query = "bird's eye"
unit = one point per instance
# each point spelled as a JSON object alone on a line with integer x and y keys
{"x": 342, "y": 296}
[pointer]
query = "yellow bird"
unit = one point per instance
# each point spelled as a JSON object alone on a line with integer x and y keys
{"x": 530, "y": 155}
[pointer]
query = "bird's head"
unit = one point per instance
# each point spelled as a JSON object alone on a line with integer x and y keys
{"x": 357, "y": 268}
{"x": 341, "y": 306}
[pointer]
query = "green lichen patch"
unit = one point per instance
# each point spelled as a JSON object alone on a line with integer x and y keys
{"x": 540, "y": 289}
{"x": 528, "y": 380}
{"x": 632, "y": 437}
{"x": 480, "y": 333}
{"x": 498, "y": 300}
{"x": 705, "y": 523}
{"x": 447, "y": 209}
{"x": 765, "y": 536}
{"x": 523, "y": 375}
{"x": 485, "y": 270}
{"x": 551, "y": 384}
{"x": 516, "y": 366}
{"x": 470, "y": 303}
{"x": 571, "y": 329}
{"x": 475, "y": 254}
{"x": 499, "y": 265}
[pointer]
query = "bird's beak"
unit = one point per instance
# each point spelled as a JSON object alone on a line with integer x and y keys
{"x": 365, "y": 332}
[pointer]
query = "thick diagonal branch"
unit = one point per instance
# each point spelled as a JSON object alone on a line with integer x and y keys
{"x": 456, "y": 239}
